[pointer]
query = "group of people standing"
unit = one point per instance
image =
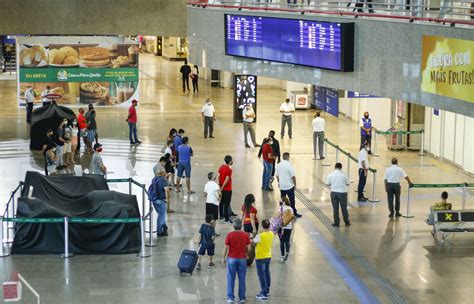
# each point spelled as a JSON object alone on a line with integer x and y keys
{"x": 186, "y": 73}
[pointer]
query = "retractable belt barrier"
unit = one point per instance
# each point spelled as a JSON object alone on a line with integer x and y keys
{"x": 348, "y": 167}
{"x": 66, "y": 220}
{"x": 464, "y": 187}
{"x": 422, "y": 132}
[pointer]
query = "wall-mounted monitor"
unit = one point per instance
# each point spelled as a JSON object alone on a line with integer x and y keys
{"x": 325, "y": 45}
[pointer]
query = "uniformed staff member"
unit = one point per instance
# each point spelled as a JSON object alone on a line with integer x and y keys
{"x": 338, "y": 182}
{"x": 366, "y": 130}
{"x": 286, "y": 109}
{"x": 363, "y": 165}
{"x": 392, "y": 178}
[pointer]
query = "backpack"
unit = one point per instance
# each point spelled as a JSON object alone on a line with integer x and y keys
{"x": 152, "y": 193}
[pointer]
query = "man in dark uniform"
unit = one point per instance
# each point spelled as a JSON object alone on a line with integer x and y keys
{"x": 185, "y": 71}
{"x": 366, "y": 131}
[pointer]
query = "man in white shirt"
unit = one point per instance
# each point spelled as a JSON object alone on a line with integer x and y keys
{"x": 30, "y": 96}
{"x": 318, "y": 135}
{"x": 286, "y": 109}
{"x": 285, "y": 175}
{"x": 46, "y": 101}
{"x": 363, "y": 164}
{"x": 392, "y": 177}
{"x": 208, "y": 114}
{"x": 248, "y": 115}
{"x": 338, "y": 183}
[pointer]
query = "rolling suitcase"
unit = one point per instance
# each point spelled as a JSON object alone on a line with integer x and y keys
{"x": 187, "y": 261}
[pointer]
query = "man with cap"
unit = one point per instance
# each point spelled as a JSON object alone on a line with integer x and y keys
{"x": 132, "y": 123}
{"x": 97, "y": 165}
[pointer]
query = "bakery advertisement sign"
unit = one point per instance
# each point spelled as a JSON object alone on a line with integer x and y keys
{"x": 101, "y": 74}
{"x": 447, "y": 67}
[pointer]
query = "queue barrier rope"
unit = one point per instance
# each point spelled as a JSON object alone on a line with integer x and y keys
{"x": 349, "y": 158}
{"x": 464, "y": 187}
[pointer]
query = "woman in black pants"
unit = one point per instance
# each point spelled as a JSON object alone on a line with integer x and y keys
{"x": 195, "y": 78}
{"x": 286, "y": 231}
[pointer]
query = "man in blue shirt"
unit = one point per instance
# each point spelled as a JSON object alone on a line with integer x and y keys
{"x": 184, "y": 163}
{"x": 159, "y": 197}
{"x": 366, "y": 131}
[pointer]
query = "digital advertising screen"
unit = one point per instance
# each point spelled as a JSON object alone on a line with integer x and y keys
{"x": 326, "y": 45}
{"x": 245, "y": 92}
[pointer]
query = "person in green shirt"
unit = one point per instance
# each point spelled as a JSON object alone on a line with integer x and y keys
{"x": 263, "y": 256}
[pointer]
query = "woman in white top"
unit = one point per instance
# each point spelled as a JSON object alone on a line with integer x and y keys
{"x": 286, "y": 230}
{"x": 195, "y": 78}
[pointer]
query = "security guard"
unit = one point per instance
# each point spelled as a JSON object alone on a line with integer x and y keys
{"x": 392, "y": 178}
{"x": 366, "y": 130}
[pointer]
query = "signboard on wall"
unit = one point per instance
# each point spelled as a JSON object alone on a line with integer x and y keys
{"x": 447, "y": 67}
{"x": 101, "y": 74}
{"x": 351, "y": 94}
{"x": 245, "y": 92}
{"x": 326, "y": 99}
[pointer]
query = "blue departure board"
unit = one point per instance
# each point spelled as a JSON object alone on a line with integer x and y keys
{"x": 326, "y": 45}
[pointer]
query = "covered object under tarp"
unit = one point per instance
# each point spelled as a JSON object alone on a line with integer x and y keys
{"x": 46, "y": 118}
{"x": 80, "y": 197}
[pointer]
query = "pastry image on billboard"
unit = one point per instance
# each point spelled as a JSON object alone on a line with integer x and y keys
{"x": 65, "y": 56}
{"x": 94, "y": 56}
{"x": 33, "y": 56}
{"x": 93, "y": 92}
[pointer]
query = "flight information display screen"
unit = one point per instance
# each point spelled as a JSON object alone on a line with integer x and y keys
{"x": 326, "y": 45}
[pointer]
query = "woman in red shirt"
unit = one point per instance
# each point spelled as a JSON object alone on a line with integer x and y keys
{"x": 249, "y": 215}
{"x": 82, "y": 124}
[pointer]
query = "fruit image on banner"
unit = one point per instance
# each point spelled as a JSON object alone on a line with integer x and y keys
{"x": 81, "y": 74}
{"x": 447, "y": 67}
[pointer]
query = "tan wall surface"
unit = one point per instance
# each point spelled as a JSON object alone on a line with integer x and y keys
{"x": 89, "y": 17}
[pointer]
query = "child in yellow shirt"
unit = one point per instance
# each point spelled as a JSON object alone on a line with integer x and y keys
{"x": 263, "y": 256}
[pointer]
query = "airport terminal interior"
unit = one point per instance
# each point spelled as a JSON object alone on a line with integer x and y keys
{"x": 86, "y": 226}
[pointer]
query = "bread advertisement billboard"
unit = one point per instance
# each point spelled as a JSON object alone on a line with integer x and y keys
{"x": 79, "y": 74}
{"x": 447, "y": 67}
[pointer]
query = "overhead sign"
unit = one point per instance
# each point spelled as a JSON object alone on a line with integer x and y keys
{"x": 447, "y": 67}
{"x": 351, "y": 94}
{"x": 326, "y": 99}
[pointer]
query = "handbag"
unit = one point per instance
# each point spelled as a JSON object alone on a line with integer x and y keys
{"x": 287, "y": 218}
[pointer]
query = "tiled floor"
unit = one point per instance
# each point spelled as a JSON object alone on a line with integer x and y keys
{"x": 375, "y": 258}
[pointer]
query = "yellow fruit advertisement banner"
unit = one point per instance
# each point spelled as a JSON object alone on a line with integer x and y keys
{"x": 447, "y": 67}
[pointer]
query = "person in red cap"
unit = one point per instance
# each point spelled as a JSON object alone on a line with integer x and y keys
{"x": 132, "y": 123}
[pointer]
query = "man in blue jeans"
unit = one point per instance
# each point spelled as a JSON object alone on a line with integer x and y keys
{"x": 159, "y": 194}
{"x": 185, "y": 152}
{"x": 237, "y": 246}
{"x": 132, "y": 123}
{"x": 268, "y": 159}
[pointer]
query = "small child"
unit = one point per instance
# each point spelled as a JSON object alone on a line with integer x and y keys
{"x": 263, "y": 257}
{"x": 169, "y": 167}
{"x": 207, "y": 235}
{"x": 212, "y": 193}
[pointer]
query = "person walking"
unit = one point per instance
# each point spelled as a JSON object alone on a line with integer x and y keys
{"x": 366, "y": 130}
{"x": 338, "y": 182}
{"x": 285, "y": 207}
{"x": 392, "y": 177}
{"x": 248, "y": 115}
{"x": 185, "y": 70}
{"x": 363, "y": 165}
{"x": 82, "y": 124}
{"x": 185, "y": 153}
{"x": 30, "y": 97}
{"x": 208, "y": 114}
{"x": 46, "y": 101}
{"x": 276, "y": 152}
{"x": 237, "y": 246}
{"x": 285, "y": 175}
{"x": 195, "y": 78}
{"x": 286, "y": 109}
{"x": 159, "y": 194}
{"x": 319, "y": 125}
{"x": 225, "y": 184}
{"x": 263, "y": 257}
{"x": 97, "y": 165}
{"x": 132, "y": 123}
{"x": 268, "y": 160}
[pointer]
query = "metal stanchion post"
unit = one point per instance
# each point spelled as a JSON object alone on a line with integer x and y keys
{"x": 374, "y": 179}
{"x": 143, "y": 201}
{"x": 337, "y": 154}
{"x": 408, "y": 205}
{"x": 142, "y": 253}
{"x": 2, "y": 252}
{"x": 374, "y": 153}
{"x": 130, "y": 186}
{"x": 422, "y": 148}
{"x": 324, "y": 162}
{"x": 66, "y": 239}
{"x": 464, "y": 197}
{"x": 150, "y": 227}
{"x": 8, "y": 224}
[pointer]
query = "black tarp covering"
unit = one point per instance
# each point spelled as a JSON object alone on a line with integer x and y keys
{"x": 46, "y": 118}
{"x": 75, "y": 196}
